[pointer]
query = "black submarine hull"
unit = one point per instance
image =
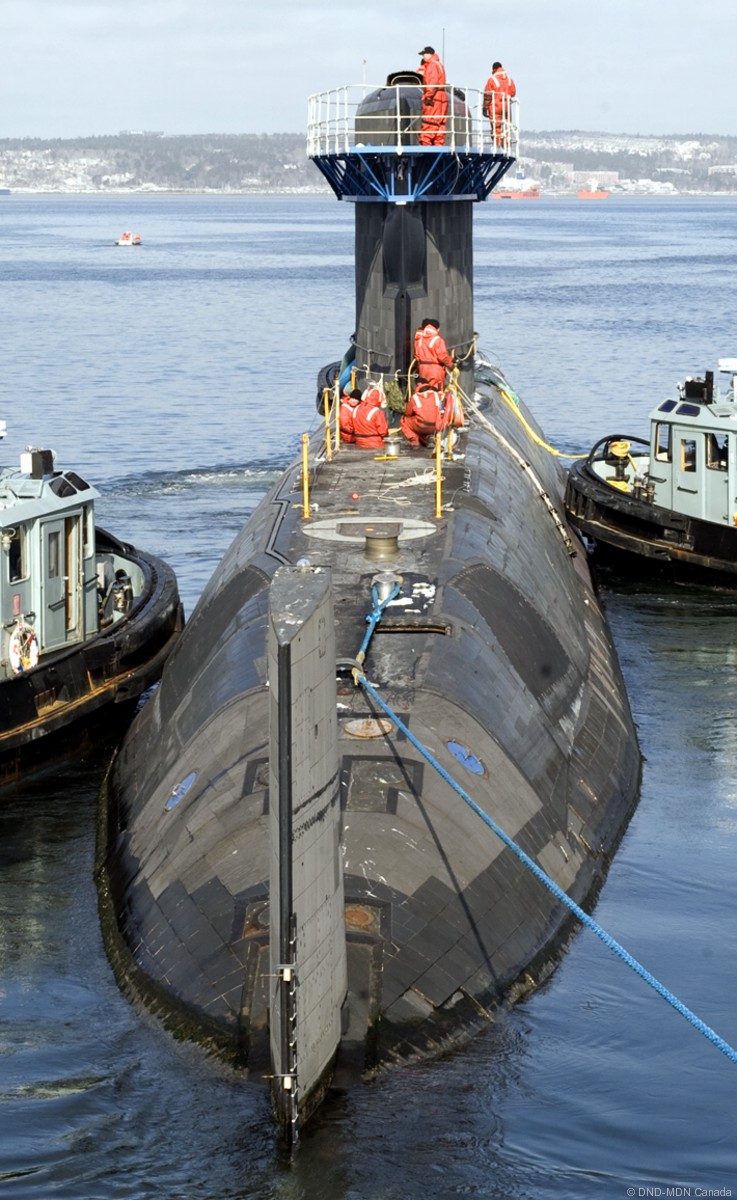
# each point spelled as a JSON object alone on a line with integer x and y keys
{"x": 284, "y": 874}
{"x": 497, "y": 657}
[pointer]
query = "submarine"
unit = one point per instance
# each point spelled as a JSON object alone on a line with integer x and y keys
{"x": 286, "y": 872}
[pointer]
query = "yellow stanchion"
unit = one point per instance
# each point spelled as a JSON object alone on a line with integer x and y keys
{"x": 438, "y": 476}
{"x": 456, "y": 392}
{"x": 336, "y": 405}
{"x": 409, "y": 379}
{"x": 305, "y": 475}
{"x": 326, "y": 409}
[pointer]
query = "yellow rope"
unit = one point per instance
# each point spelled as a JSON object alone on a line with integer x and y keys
{"x": 622, "y": 450}
{"x": 470, "y": 353}
{"x": 507, "y": 396}
{"x": 538, "y": 440}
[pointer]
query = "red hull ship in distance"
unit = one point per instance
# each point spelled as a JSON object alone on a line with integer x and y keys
{"x": 592, "y": 194}
{"x": 520, "y": 187}
{"x": 531, "y": 193}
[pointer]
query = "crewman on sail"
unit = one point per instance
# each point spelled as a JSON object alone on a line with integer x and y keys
{"x": 498, "y": 93}
{"x": 370, "y": 425}
{"x": 434, "y": 99}
{"x": 349, "y": 402}
{"x": 424, "y": 415}
{"x": 431, "y": 353}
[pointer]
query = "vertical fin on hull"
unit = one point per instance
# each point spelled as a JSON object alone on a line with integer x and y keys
{"x": 307, "y": 940}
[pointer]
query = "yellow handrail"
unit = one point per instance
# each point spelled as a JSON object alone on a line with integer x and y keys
{"x": 336, "y": 403}
{"x": 326, "y": 409}
{"x": 305, "y": 475}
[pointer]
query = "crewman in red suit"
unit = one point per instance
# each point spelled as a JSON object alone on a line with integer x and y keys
{"x": 349, "y": 402}
{"x": 370, "y": 425}
{"x": 431, "y": 353}
{"x": 498, "y": 95}
{"x": 434, "y": 99}
{"x": 424, "y": 416}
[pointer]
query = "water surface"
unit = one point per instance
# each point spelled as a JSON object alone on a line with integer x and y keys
{"x": 179, "y": 377}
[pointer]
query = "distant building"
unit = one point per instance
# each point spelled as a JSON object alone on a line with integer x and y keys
{"x": 602, "y": 179}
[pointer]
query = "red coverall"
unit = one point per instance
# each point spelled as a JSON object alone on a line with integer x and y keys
{"x": 498, "y": 95}
{"x": 431, "y": 355}
{"x": 434, "y": 102}
{"x": 369, "y": 422}
{"x": 423, "y": 415}
{"x": 345, "y": 417}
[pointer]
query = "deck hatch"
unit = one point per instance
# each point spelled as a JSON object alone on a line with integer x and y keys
{"x": 370, "y": 784}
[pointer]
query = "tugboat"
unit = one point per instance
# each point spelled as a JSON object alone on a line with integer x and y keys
{"x": 284, "y": 874}
{"x": 87, "y": 621}
{"x": 668, "y": 506}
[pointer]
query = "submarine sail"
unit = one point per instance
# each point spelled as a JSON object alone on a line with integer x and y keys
{"x": 283, "y": 874}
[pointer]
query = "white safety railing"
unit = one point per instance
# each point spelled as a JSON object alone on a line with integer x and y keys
{"x": 395, "y": 117}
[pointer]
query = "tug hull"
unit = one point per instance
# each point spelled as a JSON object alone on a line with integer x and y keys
{"x": 74, "y": 697}
{"x": 634, "y": 536}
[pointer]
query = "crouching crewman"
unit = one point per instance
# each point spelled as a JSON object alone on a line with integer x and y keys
{"x": 425, "y": 415}
{"x": 370, "y": 425}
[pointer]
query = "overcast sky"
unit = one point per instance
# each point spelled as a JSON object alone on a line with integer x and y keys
{"x": 75, "y": 67}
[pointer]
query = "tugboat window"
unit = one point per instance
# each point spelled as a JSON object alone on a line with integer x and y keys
{"x": 716, "y": 451}
{"x": 62, "y": 487}
{"x": 688, "y": 454}
{"x": 17, "y": 555}
{"x": 53, "y": 556}
{"x": 663, "y": 442}
{"x": 88, "y": 530}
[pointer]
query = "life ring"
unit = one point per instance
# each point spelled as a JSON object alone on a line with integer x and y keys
{"x": 23, "y": 648}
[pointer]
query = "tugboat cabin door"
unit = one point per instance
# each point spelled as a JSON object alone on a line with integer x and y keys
{"x": 688, "y": 474}
{"x": 61, "y": 575}
{"x": 717, "y": 489}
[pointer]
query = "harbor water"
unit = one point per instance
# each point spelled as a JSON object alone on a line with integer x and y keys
{"x": 178, "y": 377}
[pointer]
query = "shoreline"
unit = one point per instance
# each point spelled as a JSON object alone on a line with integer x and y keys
{"x": 8, "y": 193}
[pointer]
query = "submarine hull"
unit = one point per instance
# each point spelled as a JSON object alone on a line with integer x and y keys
{"x": 496, "y": 656}
{"x": 380, "y": 887}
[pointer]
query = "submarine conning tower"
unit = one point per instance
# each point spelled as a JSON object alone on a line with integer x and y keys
{"x": 414, "y": 249}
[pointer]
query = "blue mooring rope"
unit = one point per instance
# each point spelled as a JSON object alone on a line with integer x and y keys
{"x": 549, "y": 883}
{"x": 375, "y": 616}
